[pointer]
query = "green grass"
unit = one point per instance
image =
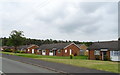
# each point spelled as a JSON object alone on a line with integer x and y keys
{"x": 41, "y": 56}
{"x": 93, "y": 64}
{"x": 76, "y": 61}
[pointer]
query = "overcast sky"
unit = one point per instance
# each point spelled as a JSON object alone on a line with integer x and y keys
{"x": 61, "y": 19}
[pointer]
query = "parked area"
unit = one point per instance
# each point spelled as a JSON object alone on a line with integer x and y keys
{"x": 80, "y": 61}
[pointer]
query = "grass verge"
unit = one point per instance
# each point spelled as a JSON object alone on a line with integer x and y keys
{"x": 93, "y": 64}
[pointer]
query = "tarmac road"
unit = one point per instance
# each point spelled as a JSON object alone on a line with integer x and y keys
{"x": 11, "y": 66}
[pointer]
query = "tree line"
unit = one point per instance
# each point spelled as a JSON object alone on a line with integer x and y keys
{"x": 17, "y": 38}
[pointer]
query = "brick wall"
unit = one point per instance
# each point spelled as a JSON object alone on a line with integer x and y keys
{"x": 30, "y": 49}
{"x": 93, "y": 57}
{"x": 74, "y": 48}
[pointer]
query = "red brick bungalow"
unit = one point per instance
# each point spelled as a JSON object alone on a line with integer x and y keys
{"x": 8, "y": 48}
{"x": 59, "y": 49}
{"x": 28, "y": 48}
{"x": 104, "y": 51}
{"x": 83, "y": 49}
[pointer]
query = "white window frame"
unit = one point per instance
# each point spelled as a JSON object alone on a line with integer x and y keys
{"x": 116, "y": 53}
{"x": 28, "y": 50}
{"x": 44, "y": 51}
{"x": 111, "y": 53}
{"x": 96, "y": 52}
{"x": 51, "y": 51}
{"x": 33, "y": 51}
{"x": 70, "y": 51}
{"x": 38, "y": 51}
{"x": 66, "y": 51}
{"x": 59, "y": 51}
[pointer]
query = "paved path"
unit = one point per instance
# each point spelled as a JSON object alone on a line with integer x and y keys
{"x": 63, "y": 68}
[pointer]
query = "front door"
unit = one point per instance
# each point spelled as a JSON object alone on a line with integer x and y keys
{"x": 54, "y": 52}
{"x": 32, "y": 51}
{"x": 104, "y": 55}
{"x": 43, "y": 52}
{"x": 70, "y": 51}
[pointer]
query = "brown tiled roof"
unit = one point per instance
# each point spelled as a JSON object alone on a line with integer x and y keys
{"x": 80, "y": 44}
{"x": 53, "y": 46}
{"x": 111, "y": 45}
{"x": 25, "y": 46}
{"x": 8, "y": 47}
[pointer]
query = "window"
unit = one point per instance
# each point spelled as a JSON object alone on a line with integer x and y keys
{"x": 43, "y": 50}
{"x": 81, "y": 50}
{"x": 37, "y": 50}
{"x": 51, "y": 51}
{"x": 96, "y": 52}
{"x": 59, "y": 51}
{"x": 28, "y": 49}
{"x": 111, "y": 53}
{"x": 116, "y": 53}
{"x": 86, "y": 50}
{"x": 65, "y": 51}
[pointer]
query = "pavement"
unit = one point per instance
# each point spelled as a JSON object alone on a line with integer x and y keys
{"x": 56, "y": 67}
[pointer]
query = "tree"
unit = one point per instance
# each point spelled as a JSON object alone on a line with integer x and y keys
{"x": 16, "y": 39}
{"x": 4, "y": 41}
{"x": 0, "y": 42}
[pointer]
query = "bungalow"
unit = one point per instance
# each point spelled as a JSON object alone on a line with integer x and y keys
{"x": 59, "y": 49}
{"x": 8, "y": 48}
{"x": 23, "y": 48}
{"x": 83, "y": 49}
{"x": 32, "y": 49}
{"x": 28, "y": 48}
{"x": 104, "y": 51}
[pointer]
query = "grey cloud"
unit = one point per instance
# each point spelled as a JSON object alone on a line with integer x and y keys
{"x": 83, "y": 24}
{"x": 90, "y": 7}
{"x": 52, "y": 15}
{"x": 69, "y": 28}
{"x": 75, "y": 23}
{"x": 119, "y": 19}
{"x": 88, "y": 24}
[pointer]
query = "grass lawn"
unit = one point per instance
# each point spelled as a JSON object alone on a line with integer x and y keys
{"x": 76, "y": 61}
{"x": 94, "y": 64}
{"x": 41, "y": 56}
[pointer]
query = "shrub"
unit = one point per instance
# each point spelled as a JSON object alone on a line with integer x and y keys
{"x": 7, "y": 50}
{"x": 22, "y": 51}
{"x": 97, "y": 57}
{"x": 17, "y": 51}
{"x": 71, "y": 56}
{"x": 106, "y": 58}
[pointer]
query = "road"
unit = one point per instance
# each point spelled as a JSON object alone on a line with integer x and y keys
{"x": 11, "y": 66}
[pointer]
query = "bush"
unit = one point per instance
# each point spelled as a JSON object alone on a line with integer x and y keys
{"x": 106, "y": 58}
{"x": 22, "y": 51}
{"x": 97, "y": 57}
{"x": 71, "y": 56}
{"x": 7, "y": 50}
{"x": 17, "y": 51}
